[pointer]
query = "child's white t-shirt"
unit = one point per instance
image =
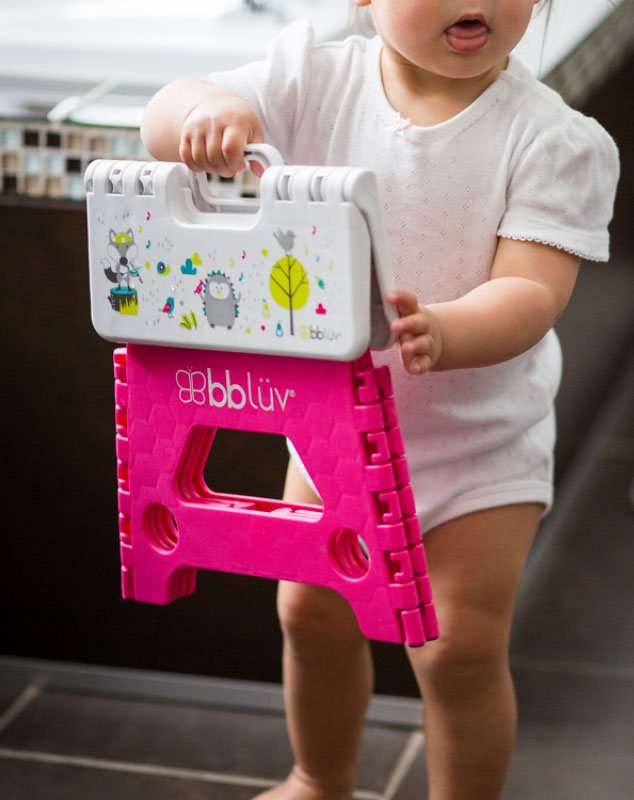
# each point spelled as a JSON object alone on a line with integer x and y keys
{"x": 517, "y": 163}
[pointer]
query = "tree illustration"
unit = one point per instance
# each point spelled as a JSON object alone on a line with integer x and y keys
{"x": 288, "y": 281}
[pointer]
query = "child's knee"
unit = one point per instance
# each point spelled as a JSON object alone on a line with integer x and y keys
{"x": 315, "y": 615}
{"x": 461, "y": 660}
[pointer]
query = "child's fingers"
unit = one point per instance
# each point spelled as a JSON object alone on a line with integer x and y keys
{"x": 215, "y": 157}
{"x": 220, "y": 152}
{"x": 405, "y": 302}
{"x": 417, "y": 354}
{"x": 417, "y": 331}
{"x": 193, "y": 153}
{"x": 418, "y": 365}
{"x": 205, "y": 154}
{"x": 412, "y": 325}
{"x": 256, "y": 168}
{"x": 234, "y": 141}
{"x": 409, "y": 319}
{"x": 185, "y": 153}
{"x": 416, "y": 346}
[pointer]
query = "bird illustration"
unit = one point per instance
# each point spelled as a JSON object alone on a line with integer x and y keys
{"x": 168, "y": 308}
{"x": 285, "y": 240}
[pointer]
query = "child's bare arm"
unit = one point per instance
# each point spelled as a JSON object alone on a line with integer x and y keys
{"x": 193, "y": 121}
{"x": 529, "y": 289}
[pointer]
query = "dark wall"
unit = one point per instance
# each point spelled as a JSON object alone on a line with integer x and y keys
{"x": 59, "y": 566}
{"x": 598, "y": 326}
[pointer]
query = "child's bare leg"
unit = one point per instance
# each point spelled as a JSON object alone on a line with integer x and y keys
{"x": 328, "y": 680}
{"x": 475, "y": 563}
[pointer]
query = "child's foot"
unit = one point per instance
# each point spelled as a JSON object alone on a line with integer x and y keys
{"x": 295, "y": 787}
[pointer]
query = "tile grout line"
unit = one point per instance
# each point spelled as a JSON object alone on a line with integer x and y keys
{"x": 86, "y": 762}
{"x": 410, "y": 752}
{"x": 176, "y": 773}
{"x": 22, "y": 701}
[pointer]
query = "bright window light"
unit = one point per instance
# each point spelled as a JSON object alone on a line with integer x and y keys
{"x": 148, "y": 9}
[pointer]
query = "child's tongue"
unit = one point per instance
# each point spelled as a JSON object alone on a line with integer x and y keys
{"x": 468, "y": 36}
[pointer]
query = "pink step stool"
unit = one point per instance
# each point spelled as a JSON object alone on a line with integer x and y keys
{"x": 365, "y": 543}
{"x": 256, "y": 315}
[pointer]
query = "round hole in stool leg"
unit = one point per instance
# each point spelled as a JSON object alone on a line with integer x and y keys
{"x": 160, "y": 527}
{"x": 349, "y": 554}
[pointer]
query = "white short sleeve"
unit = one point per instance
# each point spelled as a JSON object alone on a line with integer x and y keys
{"x": 561, "y": 192}
{"x": 276, "y": 87}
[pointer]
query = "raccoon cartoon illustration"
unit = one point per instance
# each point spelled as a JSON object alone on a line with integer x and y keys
{"x": 122, "y": 250}
{"x": 220, "y": 301}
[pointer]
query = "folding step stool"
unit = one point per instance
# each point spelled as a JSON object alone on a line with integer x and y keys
{"x": 224, "y": 332}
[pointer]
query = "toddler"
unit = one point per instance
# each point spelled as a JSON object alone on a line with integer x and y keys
{"x": 492, "y": 191}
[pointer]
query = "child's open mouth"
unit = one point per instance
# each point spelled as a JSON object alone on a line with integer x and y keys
{"x": 467, "y": 35}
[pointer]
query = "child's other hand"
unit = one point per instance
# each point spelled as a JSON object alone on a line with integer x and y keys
{"x": 215, "y": 133}
{"x": 419, "y": 333}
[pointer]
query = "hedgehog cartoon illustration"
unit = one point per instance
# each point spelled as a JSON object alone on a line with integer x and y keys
{"x": 220, "y": 300}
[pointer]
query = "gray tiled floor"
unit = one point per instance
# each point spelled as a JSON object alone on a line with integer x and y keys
{"x": 22, "y": 780}
{"x": 60, "y": 743}
{"x": 236, "y": 743}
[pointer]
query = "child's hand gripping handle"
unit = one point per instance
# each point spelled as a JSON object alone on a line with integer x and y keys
{"x": 264, "y": 155}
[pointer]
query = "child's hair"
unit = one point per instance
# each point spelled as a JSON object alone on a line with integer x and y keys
{"x": 361, "y": 18}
